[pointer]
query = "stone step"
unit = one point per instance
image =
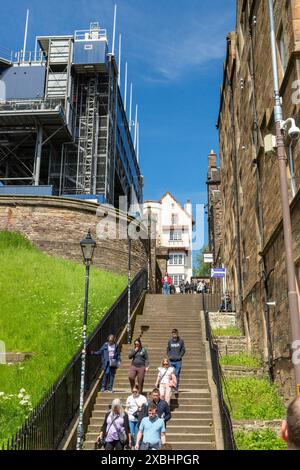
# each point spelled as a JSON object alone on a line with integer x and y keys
{"x": 100, "y": 400}
{"x": 171, "y": 437}
{"x": 200, "y": 395}
{"x": 182, "y": 407}
{"x": 171, "y": 428}
{"x": 90, "y": 445}
{"x": 152, "y": 375}
{"x": 104, "y": 397}
{"x": 98, "y": 421}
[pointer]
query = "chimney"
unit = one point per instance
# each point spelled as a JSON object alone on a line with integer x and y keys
{"x": 188, "y": 207}
{"x": 212, "y": 159}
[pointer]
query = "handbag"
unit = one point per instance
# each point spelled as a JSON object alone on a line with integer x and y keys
{"x": 99, "y": 444}
{"x": 121, "y": 435}
{"x": 114, "y": 363}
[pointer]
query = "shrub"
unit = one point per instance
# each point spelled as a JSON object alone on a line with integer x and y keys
{"x": 252, "y": 398}
{"x": 242, "y": 359}
{"x": 229, "y": 331}
{"x": 264, "y": 439}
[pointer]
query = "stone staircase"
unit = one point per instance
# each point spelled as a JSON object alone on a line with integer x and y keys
{"x": 191, "y": 426}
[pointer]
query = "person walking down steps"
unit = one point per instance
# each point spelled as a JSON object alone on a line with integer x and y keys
{"x": 139, "y": 365}
{"x": 175, "y": 353}
{"x": 166, "y": 380}
{"x": 134, "y": 405}
{"x": 111, "y": 359}
{"x": 115, "y": 432}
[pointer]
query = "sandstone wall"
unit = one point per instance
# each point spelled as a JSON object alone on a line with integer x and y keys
{"x": 57, "y": 225}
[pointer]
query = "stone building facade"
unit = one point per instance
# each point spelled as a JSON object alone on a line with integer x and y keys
{"x": 214, "y": 208}
{"x": 174, "y": 237}
{"x": 253, "y": 244}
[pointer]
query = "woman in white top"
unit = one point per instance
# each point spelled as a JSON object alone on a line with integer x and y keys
{"x": 133, "y": 407}
{"x": 166, "y": 380}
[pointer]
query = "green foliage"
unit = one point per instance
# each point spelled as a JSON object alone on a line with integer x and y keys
{"x": 264, "y": 439}
{"x": 253, "y": 398}
{"x": 243, "y": 359}
{"x": 42, "y": 300}
{"x": 201, "y": 269}
{"x": 229, "y": 331}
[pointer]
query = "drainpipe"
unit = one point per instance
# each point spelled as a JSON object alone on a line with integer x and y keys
{"x": 237, "y": 204}
{"x": 261, "y": 219}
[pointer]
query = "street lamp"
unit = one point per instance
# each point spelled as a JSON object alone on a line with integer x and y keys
{"x": 281, "y": 125}
{"x": 87, "y": 246}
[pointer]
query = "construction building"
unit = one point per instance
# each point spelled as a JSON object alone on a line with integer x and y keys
{"x": 63, "y": 127}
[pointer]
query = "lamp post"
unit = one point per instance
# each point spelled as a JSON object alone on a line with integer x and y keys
{"x": 87, "y": 246}
{"x": 129, "y": 292}
{"x": 287, "y": 224}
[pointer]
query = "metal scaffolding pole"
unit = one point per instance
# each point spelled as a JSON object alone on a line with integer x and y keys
{"x": 38, "y": 156}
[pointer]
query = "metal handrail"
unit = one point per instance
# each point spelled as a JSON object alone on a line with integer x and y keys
{"x": 219, "y": 379}
{"x": 48, "y": 422}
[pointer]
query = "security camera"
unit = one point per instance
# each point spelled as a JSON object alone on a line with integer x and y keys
{"x": 294, "y": 131}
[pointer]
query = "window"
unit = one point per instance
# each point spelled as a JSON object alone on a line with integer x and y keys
{"x": 177, "y": 260}
{"x": 282, "y": 49}
{"x": 175, "y": 235}
{"x": 174, "y": 219}
{"x": 177, "y": 279}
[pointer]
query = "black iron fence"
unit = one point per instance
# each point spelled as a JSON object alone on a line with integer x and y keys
{"x": 48, "y": 422}
{"x": 219, "y": 379}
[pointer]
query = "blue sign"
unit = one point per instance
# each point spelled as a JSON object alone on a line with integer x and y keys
{"x": 218, "y": 272}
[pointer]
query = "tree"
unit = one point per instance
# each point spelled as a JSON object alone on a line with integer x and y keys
{"x": 201, "y": 269}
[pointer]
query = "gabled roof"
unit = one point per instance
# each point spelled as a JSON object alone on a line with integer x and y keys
{"x": 180, "y": 205}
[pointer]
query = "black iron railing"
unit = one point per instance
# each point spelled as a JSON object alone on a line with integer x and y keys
{"x": 48, "y": 422}
{"x": 219, "y": 379}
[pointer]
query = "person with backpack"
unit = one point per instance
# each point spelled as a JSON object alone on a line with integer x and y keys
{"x": 115, "y": 432}
{"x": 110, "y": 357}
{"x": 134, "y": 405}
{"x": 139, "y": 365}
{"x": 166, "y": 380}
{"x": 175, "y": 353}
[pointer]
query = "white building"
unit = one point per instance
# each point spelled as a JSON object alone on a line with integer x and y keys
{"x": 174, "y": 226}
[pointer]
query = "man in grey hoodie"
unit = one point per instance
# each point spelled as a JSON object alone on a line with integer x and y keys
{"x": 175, "y": 353}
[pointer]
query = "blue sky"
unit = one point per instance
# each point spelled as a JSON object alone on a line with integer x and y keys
{"x": 175, "y": 51}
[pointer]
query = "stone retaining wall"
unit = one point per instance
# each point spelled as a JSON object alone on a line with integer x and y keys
{"x": 241, "y": 371}
{"x": 57, "y": 225}
{"x": 222, "y": 320}
{"x": 232, "y": 345}
{"x": 256, "y": 425}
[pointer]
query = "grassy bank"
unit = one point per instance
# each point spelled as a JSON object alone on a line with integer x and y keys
{"x": 41, "y": 313}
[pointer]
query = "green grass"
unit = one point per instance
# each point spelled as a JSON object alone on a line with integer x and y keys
{"x": 242, "y": 359}
{"x": 229, "y": 331}
{"x": 42, "y": 312}
{"x": 253, "y": 398}
{"x": 264, "y": 439}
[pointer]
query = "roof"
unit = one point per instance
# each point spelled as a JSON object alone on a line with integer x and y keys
{"x": 169, "y": 194}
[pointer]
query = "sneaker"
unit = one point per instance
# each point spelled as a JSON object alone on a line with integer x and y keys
{"x": 102, "y": 390}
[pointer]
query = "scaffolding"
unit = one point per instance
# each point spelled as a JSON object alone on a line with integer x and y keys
{"x": 72, "y": 137}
